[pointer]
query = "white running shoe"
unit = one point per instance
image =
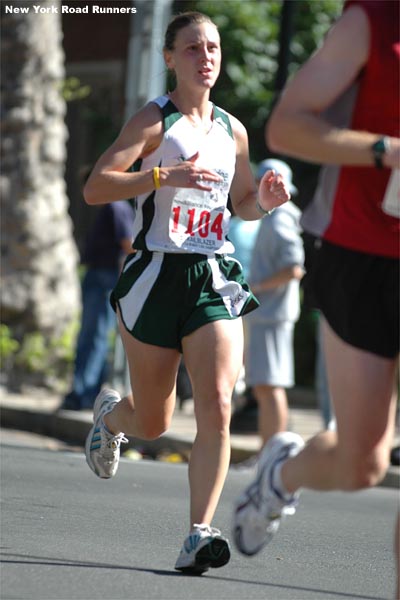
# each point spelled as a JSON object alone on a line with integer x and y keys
{"x": 102, "y": 447}
{"x": 204, "y": 547}
{"x": 259, "y": 509}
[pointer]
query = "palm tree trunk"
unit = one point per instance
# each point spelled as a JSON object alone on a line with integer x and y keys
{"x": 39, "y": 281}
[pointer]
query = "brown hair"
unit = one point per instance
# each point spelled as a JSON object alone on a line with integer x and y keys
{"x": 179, "y": 22}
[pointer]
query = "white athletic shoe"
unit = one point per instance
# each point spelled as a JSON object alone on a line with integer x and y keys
{"x": 204, "y": 547}
{"x": 102, "y": 447}
{"x": 259, "y": 509}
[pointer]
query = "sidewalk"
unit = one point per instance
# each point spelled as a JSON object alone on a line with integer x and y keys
{"x": 38, "y": 412}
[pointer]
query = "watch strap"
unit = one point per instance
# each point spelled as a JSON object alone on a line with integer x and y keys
{"x": 379, "y": 148}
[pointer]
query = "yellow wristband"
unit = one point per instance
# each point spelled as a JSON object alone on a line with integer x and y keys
{"x": 156, "y": 178}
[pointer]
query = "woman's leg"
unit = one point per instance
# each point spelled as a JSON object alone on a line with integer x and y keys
{"x": 213, "y": 357}
{"x": 147, "y": 413}
{"x": 357, "y": 455}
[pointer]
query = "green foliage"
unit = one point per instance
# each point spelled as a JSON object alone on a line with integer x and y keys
{"x": 8, "y": 346}
{"x": 37, "y": 355}
{"x": 33, "y": 353}
{"x": 312, "y": 21}
{"x": 63, "y": 347}
{"x": 72, "y": 89}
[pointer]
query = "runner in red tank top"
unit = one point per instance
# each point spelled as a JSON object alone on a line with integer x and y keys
{"x": 356, "y": 213}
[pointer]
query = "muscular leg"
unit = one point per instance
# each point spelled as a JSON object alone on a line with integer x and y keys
{"x": 272, "y": 410}
{"x": 213, "y": 357}
{"x": 357, "y": 455}
{"x": 153, "y": 379}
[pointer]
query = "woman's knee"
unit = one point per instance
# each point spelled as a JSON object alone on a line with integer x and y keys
{"x": 214, "y": 413}
{"x": 364, "y": 471}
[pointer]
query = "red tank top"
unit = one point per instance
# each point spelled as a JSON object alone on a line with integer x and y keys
{"x": 357, "y": 220}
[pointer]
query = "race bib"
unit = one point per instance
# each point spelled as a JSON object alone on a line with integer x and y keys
{"x": 391, "y": 200}
{"x": 197, "y": 221}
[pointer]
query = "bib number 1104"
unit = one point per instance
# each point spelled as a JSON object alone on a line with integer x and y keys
{"x": 197, "y": 222}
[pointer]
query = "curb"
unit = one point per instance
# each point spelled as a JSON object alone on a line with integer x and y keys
{"x": 74, "y": 427}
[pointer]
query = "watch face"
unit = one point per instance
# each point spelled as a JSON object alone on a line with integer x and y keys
{"x": 378, "y": 150}
{"x": 379, "y": 147}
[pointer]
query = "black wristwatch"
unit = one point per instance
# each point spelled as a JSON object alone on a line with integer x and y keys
{"x": 379, "y": 148}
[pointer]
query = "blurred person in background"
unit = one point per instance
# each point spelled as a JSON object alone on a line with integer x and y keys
{"x": 277, "y": 267}
{"x": 243, "y": 236}
{"x": 108, "y": 242}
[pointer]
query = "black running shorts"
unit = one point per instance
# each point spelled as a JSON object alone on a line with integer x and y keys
{"x": 358, "y": 294}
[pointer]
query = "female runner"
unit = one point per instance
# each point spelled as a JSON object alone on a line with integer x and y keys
{"x": 179, "y": 292}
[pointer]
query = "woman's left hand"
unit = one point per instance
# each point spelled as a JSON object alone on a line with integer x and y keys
{"x": 272, "y": 191}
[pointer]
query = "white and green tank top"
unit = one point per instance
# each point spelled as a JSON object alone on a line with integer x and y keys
{"x": 185, "y": 219}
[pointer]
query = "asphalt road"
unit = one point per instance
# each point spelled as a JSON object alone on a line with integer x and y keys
{"x": 67, "y": 535}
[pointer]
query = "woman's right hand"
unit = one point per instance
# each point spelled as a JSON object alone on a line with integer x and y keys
{"x": 188, "y": 175}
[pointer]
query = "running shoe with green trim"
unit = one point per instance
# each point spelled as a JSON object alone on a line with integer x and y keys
{"x": 102, "y": 447}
